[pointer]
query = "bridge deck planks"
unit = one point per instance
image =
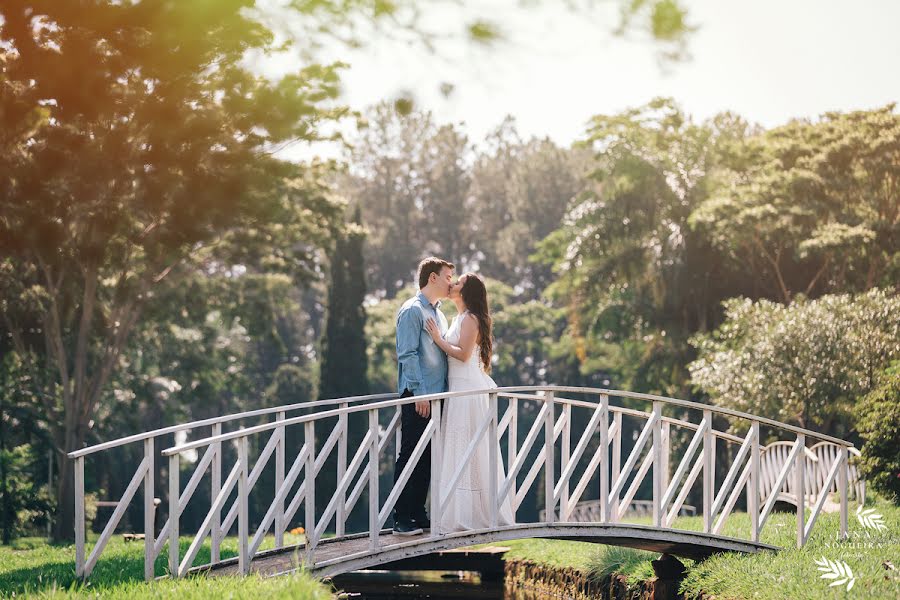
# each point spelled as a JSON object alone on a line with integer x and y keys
{"x": 334, "y": 556}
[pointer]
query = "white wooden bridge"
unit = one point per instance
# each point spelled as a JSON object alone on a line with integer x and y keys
{"x": 580, "y": 460}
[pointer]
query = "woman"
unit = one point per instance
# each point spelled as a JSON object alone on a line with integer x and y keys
{"x": 468, "y": 344}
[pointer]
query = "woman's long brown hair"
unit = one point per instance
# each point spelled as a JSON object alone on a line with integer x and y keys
{"x": 474, "y": 294}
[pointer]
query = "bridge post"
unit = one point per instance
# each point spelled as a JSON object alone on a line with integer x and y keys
{"x": 708, "y": 465}
{"x": 309, "y": 524}
{"x": 799, "y": 484}
{"x": 279, "y": 481}
{"x": 341, "y": 519}
{"x": 243, "y": 512}
{"x": 512, "y": 442}
{"x": 844, "y": 457}
{"x": 373, "y": 479}
{"x": 616, "y": 465}
{"x": 667, "y": 452}
{"x": 753, "y": 484}
{"x": 564, "y": 461}
{"x": 493, "y": 460}
{"x": 603, "y": 468}
{"x": 216, "y": 523}
{"x": 79, "y": 517}
{"x": 657, "y": 463}
{"x": 149, "y": 511}
{"x": 174, "y": 514}
{"x": 435, "y": 485}
{"x": 549, "y": 458}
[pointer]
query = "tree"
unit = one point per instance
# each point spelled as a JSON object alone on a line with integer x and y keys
{"x": 636, "y": 278}
{"x": 137, "y": 147}
{"x": 520, "y": 193}
{"x": 344, "y": 363}
{"x": 411, "y": 179}
{"x": 388, "y": 185}
{"x": 445, "y": 205}
{"x": 815, "y": 206}
{"x": 129, "y": 169}
{"x": 806, "y": 364}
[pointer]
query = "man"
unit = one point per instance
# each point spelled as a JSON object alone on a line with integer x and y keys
{"x": 421, "y": 370}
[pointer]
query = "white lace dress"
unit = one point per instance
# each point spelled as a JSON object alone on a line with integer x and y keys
{"x": 469, "y": 507}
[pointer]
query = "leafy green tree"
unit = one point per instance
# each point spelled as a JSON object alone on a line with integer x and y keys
{"x": 636, "y": 279}
{"x": 292, "y": 385}
{"x": 137, "y": 163}
{"x": 24, "y": 500}
{"x": 411, "y": 179}
{"x": 806, "y": 364}
{"x": 814, "y": 207}
{"x": 445, "y": 206}
{"x": 878, "y": 423}
{"x": 138, "y": 151}
{"x": 344, "y": 362}
{"x": 520, "y": 193}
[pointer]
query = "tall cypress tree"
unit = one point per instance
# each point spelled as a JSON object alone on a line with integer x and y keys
{"x": 344, "y": 363}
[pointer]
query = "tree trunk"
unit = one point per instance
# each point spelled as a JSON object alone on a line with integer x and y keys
{"x": 64, "y": 528}
{"x": 72, "y": 439}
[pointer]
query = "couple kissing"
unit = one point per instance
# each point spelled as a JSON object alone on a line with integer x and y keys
{"x": 433, "y": 357}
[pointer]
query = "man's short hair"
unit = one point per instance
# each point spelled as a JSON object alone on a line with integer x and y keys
{"x": 430, "y": 265}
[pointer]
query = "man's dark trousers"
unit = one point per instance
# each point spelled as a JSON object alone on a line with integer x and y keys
{"x": 411, "y": 503}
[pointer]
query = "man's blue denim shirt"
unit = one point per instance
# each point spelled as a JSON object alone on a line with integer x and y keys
{"x": 421, "y": 364}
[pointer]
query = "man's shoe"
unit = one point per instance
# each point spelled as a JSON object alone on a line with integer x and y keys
{"x": 407, "y": 528}
{"x": 424, "y": 522}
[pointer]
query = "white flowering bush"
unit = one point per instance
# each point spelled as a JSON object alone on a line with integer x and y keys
{"x": 806, "y": 363}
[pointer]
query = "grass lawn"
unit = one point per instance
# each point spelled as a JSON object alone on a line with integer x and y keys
{"x": 35, "y": 568}
{"x": 789, "y": 574}
{"x": 793, "y": 573}
{"x": 32, "y": 566}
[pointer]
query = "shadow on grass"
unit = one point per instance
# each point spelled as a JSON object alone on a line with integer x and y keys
{"x": 118, "y": 565}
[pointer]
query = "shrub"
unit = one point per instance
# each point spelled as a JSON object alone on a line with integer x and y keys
{"x": 878, "y": 423}
{"x": 806, "y": 363}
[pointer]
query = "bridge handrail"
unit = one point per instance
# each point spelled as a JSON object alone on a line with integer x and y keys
{"x": 637, "y": 413}
{"x": 669, "y": 490}
{"x": 202, "y": 442}
{"x": 222, "y": 419}
{"x": 710, "y": 407}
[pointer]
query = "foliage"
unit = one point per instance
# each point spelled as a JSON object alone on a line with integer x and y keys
{"x": 806, "y": 363}
{"x": 636, "y": 279}
{"x": 665, "y": 20}
{"x": 814, "y": 207}
{"x": 381, "y": 350}
{"x": 878, "y": 423}
{"x": 292, "y": 385}
{"x": 610, "y": 560}
{"x": 25, "y": 503}
{"x": 520, "y": 192}
{"x": 141, "y": 152}
{"x": 343, "y": 359}
{"x": 421, "y": 194}
{"x": 408, "y": 178}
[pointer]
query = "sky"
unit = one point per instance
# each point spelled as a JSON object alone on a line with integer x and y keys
{"x": 767, "y": 60}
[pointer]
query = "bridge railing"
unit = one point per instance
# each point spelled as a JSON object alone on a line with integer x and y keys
{"x": 148, "y": 470}
{"x": 574, "y": 436}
